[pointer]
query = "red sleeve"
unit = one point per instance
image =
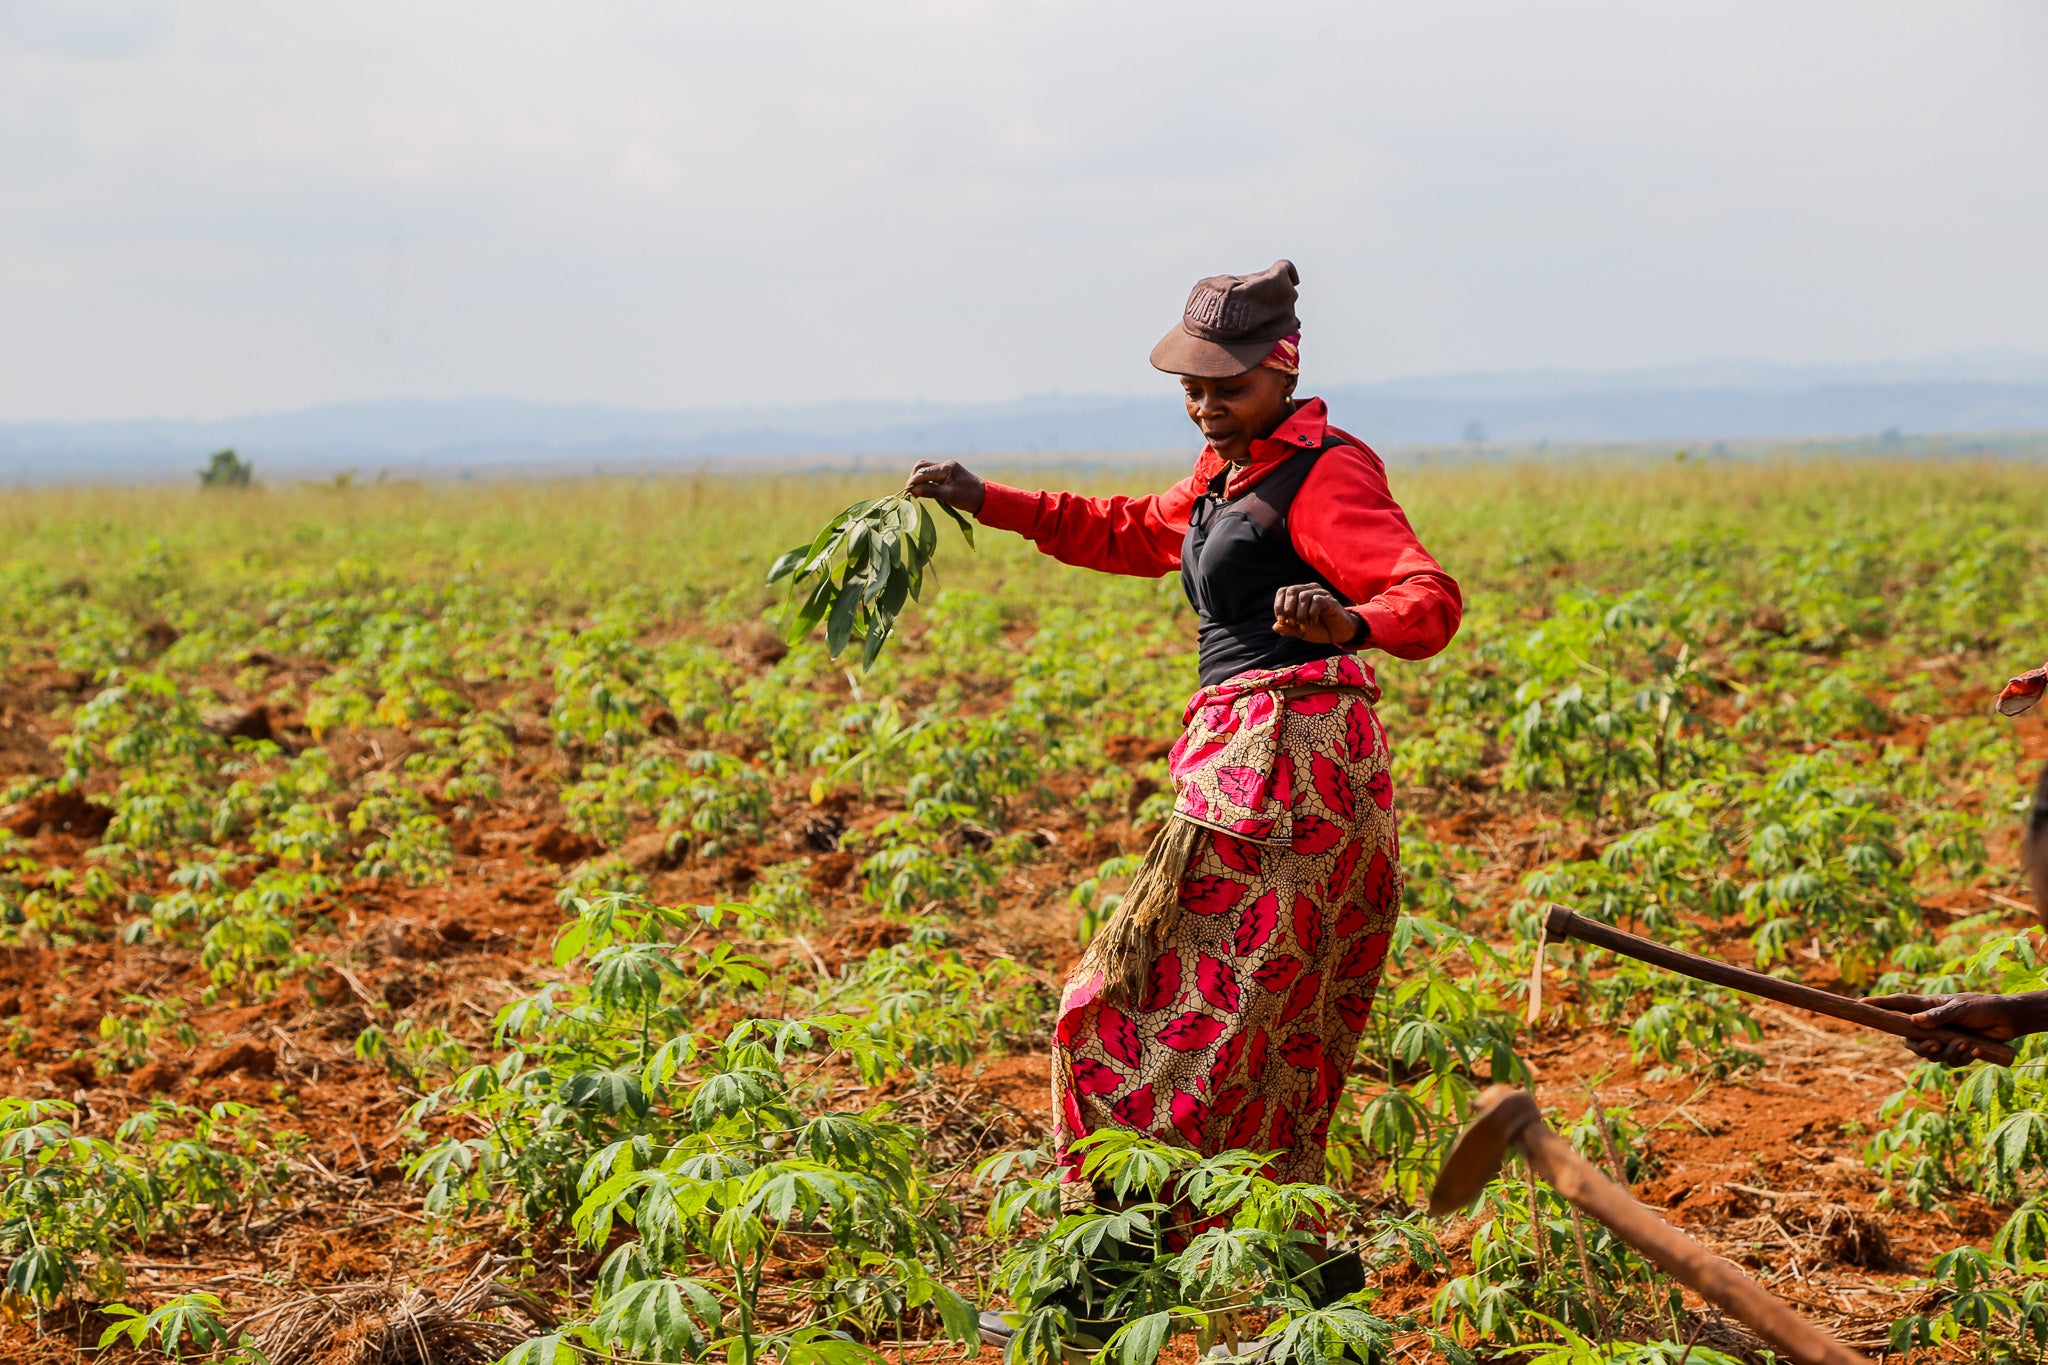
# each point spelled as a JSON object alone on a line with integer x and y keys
{"x": 1346, "y": 524}
{"x": 1139, "y": 536}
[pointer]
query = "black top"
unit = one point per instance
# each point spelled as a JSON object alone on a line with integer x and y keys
{"x": 1236, "y": 555}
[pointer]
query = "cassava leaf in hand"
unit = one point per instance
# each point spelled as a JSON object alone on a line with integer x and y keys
{"x": 860, "y": 571}
{"x": 966, "y": 526}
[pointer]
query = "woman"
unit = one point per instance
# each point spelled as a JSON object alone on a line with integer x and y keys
{"x": 1222, "y": 1007}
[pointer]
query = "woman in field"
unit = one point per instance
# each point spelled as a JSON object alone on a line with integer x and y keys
{"x": 1222, "y": 1007}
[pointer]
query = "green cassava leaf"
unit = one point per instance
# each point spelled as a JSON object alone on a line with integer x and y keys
{"x": 1139, "y": 1343}
{"x": 828, "y": 540}
{"x": 884, "y": 565}
{"x": 860, "y": 541}
{"x": 966, "y": 526}
{"x": 905, "y": 513}
{"x": 607, "y": 1091}
{"x": 818, "y": 1346}
{"x": 553, "y": 1349}
{"x": 894, "y": 591}
{"x": 571, "y": 941}
{"x": 657, "y": 1320}
{"x": 961, "y": 1318}
{"x": 130, "y": 1323}
{"x": 839, "y": 627}
{"x": 822, "y": 599}
{"x": 193, "y": 1316}
{"x": 871, "y": 649}
{"x": 727, "y": 1093}
{"x": 42, "y": 1274}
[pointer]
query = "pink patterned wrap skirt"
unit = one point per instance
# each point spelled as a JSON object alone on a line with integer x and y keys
{"x": 1250, "y": 1017}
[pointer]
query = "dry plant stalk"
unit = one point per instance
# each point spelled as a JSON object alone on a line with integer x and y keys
{"x": 1124, "y": 950}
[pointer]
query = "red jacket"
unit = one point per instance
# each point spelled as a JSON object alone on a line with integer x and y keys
{"x": 1344, "y": 522}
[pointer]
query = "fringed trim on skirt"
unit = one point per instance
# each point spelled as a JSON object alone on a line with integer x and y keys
{"x": 1150, "y": 913}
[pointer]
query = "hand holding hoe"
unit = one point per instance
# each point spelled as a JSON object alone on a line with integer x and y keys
{"x": 1560, "y": 923}
{"x": 1510, "y": 1118}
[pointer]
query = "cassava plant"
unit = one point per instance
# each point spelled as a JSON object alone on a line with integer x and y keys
{"x": 855, "y": 577}
{"x": 1247, "y": 1257}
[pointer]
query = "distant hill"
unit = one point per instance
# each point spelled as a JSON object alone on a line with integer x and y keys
{"x": 447, "y": 436}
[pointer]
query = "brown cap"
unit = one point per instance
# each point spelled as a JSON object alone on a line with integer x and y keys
{"x": 1231, "y": 323}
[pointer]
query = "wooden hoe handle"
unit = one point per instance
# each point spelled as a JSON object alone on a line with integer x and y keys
{"x": 1560, "y": 923}
{"x": 1718, "y": 1280}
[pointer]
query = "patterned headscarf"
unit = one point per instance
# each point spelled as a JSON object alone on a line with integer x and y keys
{"x": 1285, "y": 356}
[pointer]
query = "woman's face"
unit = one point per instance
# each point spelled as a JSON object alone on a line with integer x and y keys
{"x": 1234, "y": 412}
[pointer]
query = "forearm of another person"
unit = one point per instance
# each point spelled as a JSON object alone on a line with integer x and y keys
{"x": 1347, "y": 526}
{"x": 2002, "y": 1017}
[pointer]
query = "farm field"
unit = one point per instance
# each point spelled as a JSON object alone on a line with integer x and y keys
{"x": 464, "y": 889}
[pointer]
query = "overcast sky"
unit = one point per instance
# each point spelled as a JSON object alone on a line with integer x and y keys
{"x": 232, "y": 205}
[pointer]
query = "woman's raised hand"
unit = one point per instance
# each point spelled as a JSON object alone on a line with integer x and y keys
{"x": 950, "y": 482}
{"x": 1309, "y": 611}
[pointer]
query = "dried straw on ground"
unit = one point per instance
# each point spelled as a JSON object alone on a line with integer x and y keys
{"x": 393, "y": 1324}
